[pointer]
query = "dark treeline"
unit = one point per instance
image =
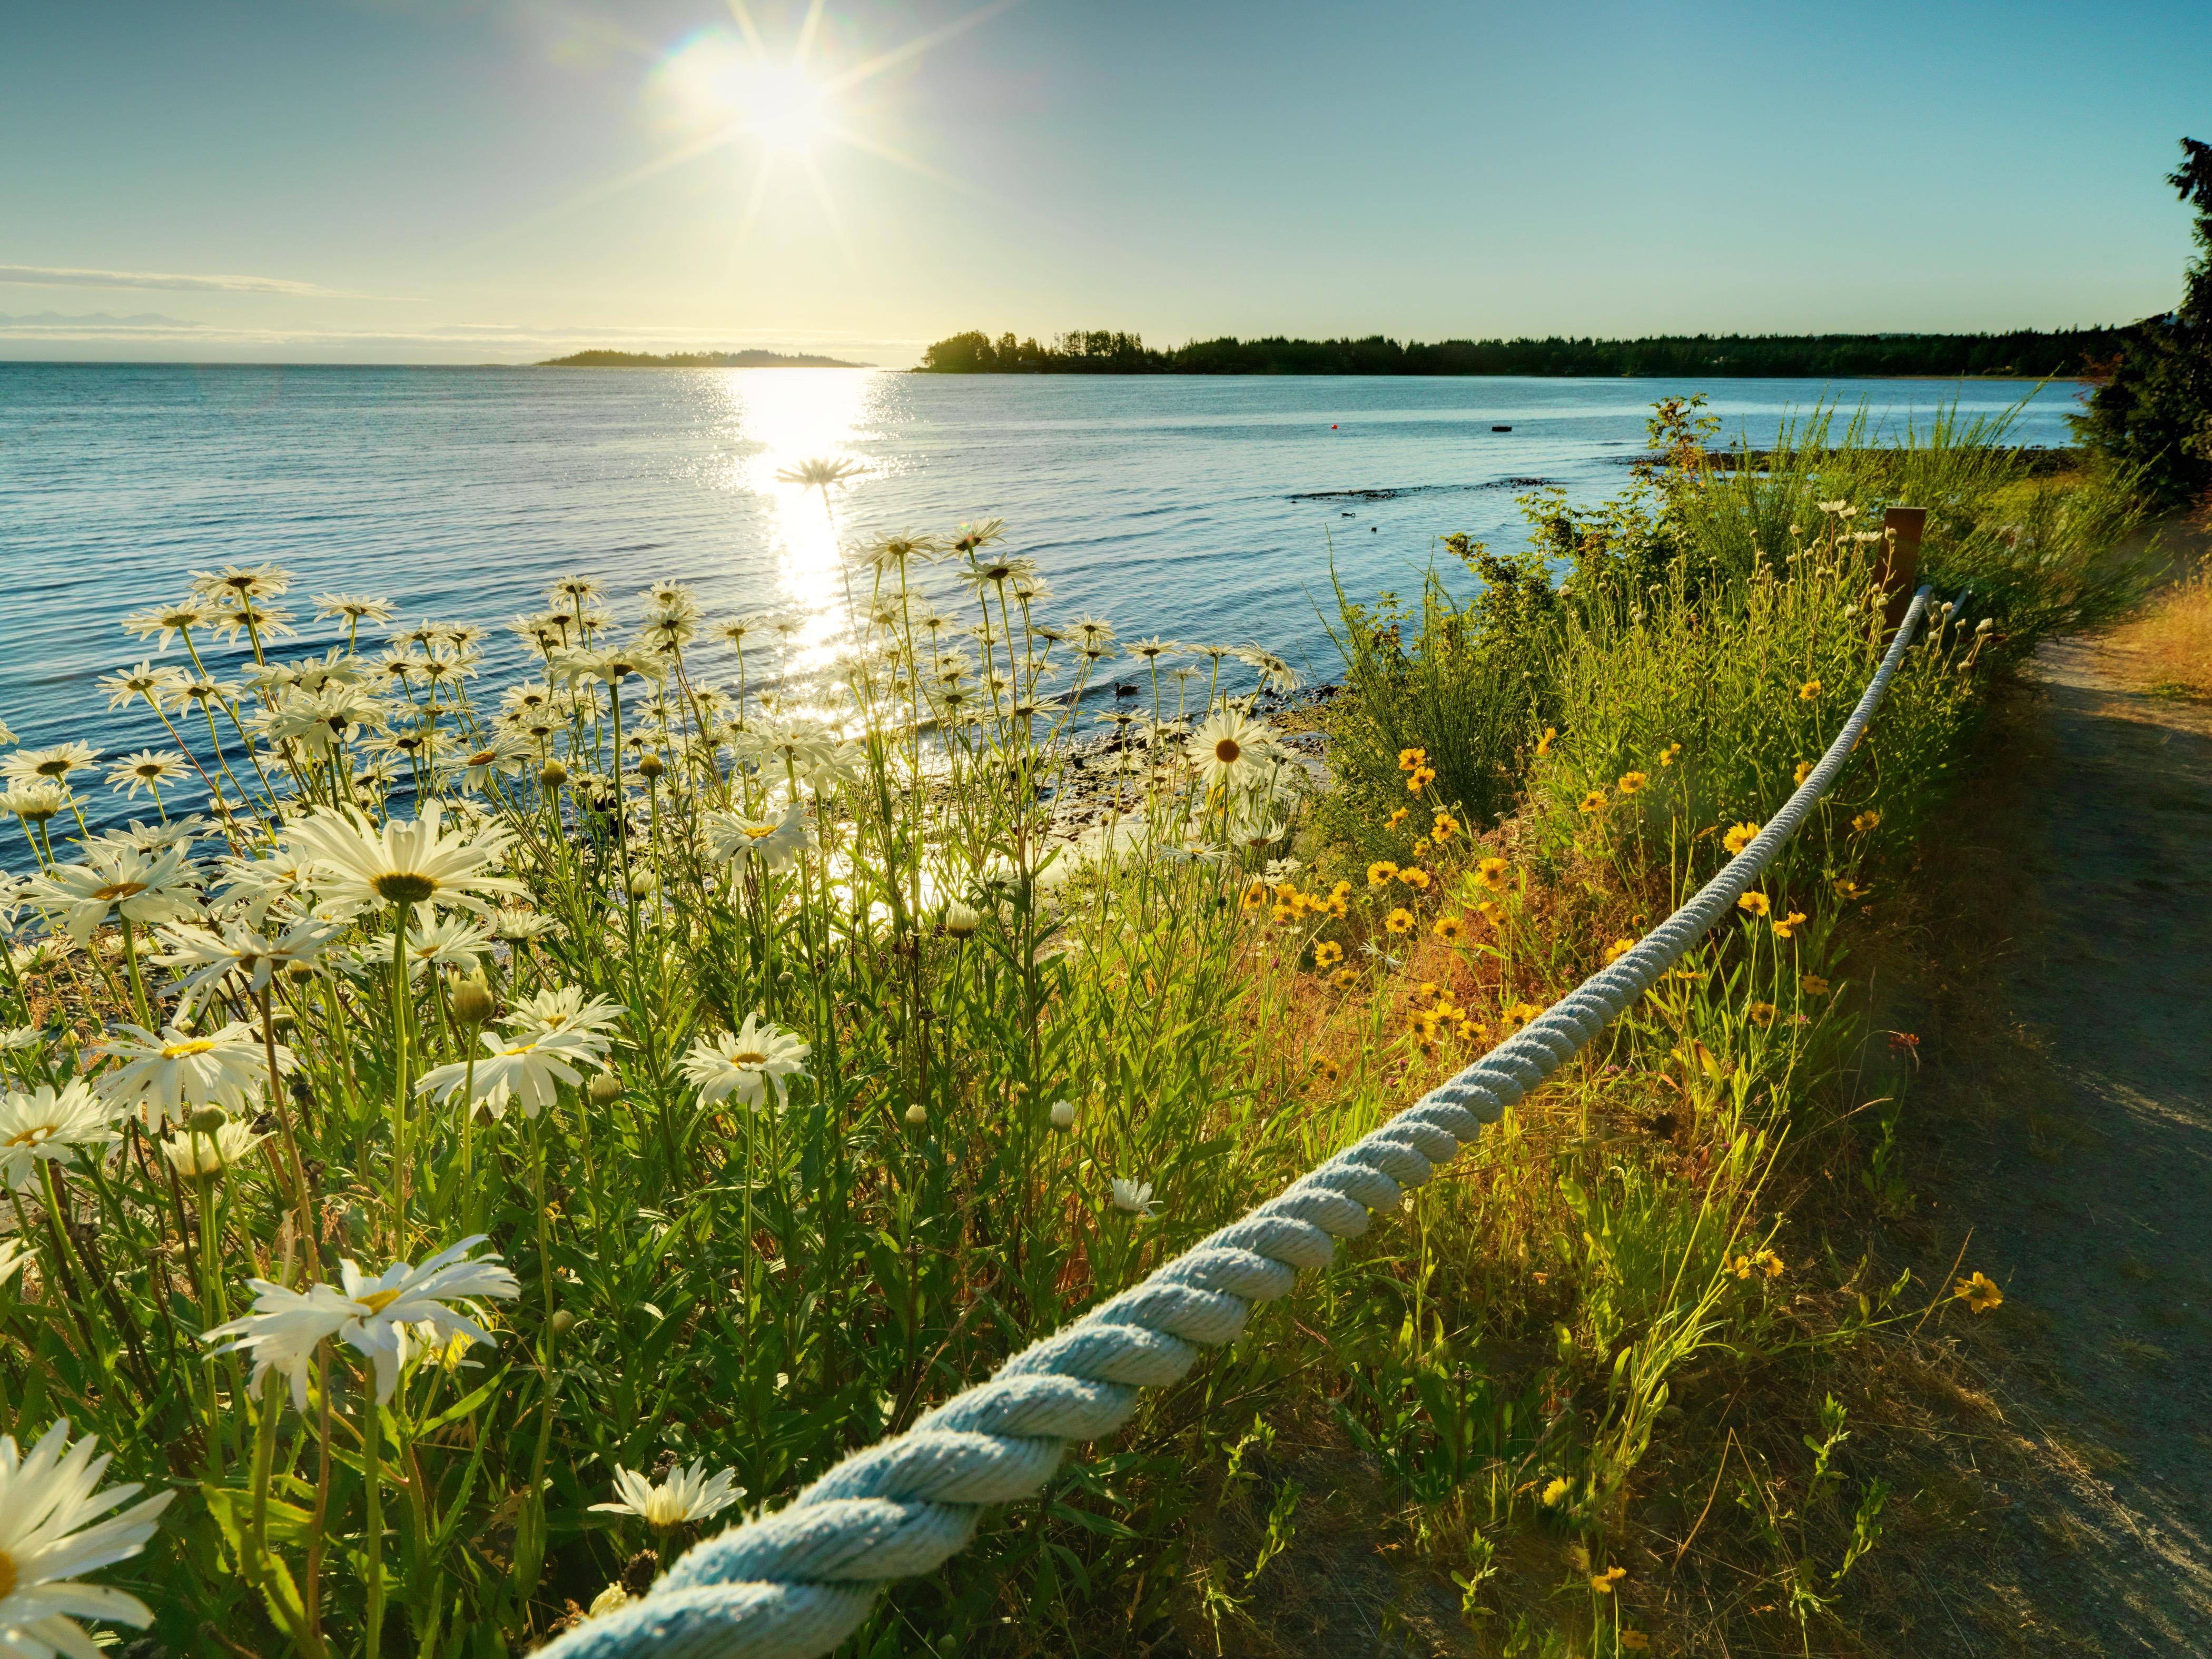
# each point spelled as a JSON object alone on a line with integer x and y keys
{"x": 2028, "y": 352}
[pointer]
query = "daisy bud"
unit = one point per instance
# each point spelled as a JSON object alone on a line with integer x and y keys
{"x": 207, "y": 1120}
{"x": 553, "y": 774}
{"x": 605, "y": 1089}
{"x": 561, "y": 1323}
{"x": 917, "y": 1114}
{"x": 299, "y": 972}
{"x": 473, "y": 1002}
{"x": 1063, "y": 1114}
{"x": 651, "y": 767}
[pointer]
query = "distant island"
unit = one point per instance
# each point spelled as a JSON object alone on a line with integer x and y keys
{"x": 696, "y": 360}
{"x": 2027, "y": 354}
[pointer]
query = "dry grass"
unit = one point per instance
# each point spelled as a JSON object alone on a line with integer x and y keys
{"x": 2169, "y": 647}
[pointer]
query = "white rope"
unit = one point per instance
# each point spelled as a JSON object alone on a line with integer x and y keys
{"x": 795, "y": 1583}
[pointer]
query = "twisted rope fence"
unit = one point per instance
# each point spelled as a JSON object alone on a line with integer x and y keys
{"x": 795, "y": 1583}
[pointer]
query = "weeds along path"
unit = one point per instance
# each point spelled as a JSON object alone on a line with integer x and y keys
{"x": 2093, "y": 1189}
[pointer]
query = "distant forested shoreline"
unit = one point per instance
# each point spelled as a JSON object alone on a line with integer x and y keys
{"x": 2026, "y": 353}
{"x": 696, "y": 360}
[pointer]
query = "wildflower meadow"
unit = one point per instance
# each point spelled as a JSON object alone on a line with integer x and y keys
{"x": 470, "y": 1136}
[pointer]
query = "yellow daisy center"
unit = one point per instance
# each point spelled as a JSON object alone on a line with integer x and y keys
{"x": 121, "y": 890}
{"x": 8, "y": 1575}
{"x": 377, "y": 1301}
{"x": 185, "y": 1050}
{"x": 758, "y": 831}
{"x": 30, "y": 1136}
{"x": 749, "y": 1059}
{"x": 1227, "y": 751}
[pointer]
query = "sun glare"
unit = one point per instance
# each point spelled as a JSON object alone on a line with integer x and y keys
{"x": 779, "y": 105}
{"x": 774, "y": 102}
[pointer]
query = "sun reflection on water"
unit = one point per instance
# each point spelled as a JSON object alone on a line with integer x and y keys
{"x": 779, "y": 419}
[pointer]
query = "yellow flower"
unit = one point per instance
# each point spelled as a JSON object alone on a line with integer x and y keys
{"x": 1739, "y": 837}
{"x": 1423, "y": 776}
{"x": 1804, "y": 771}
{"x": 1634, "y": 1640}
{"x": 1328, "y": 953}
{"x": 1344, "y": 979}
{"x": 1416, "y": 879}
{"x": 1813, "y": 985}
{"x": 1449, "y": 927}
{"x": 1380, "y": 871}
{"x": 1255, "y": 897}
{"x": 1594, "y": 801}
{"x": 1337, "y": 905}
{"x": 1400, "y": 920}
{"x": 1754, "y": 901}
{"x": 1632, "y": 782}
{"x": 1602, "y": 1582}
{"x": 1544, "y": 742}
{"x": 1422, "y": 1023}
{"x": 1978, "y": 1293}
{"x": 1866, "y": 820}
{"x": 1762, "y": 1014}
{"x": 1284, "y": 914}
{"x": 1787, "y": 926}
{"x": 1328, "y": 1070}
{"x": 1490, "y": 871}
{"x": 1809, "y": 691}
{"x": 1468, "y": 1030}
{"x": 1560, "y": 1485}
{"x": 1410, "y": 760}
{"x": 1444, "y": 829}
{"x": 1618, "y": 949}
{"x": 1399, "y": 816}
{"x": 1421, "y": 847}
{"x": 1666, "y": 755}
{"x": 1846, "y": 888}
{"x": 1339, "y": 890}
{"x": 1286, "y": 892}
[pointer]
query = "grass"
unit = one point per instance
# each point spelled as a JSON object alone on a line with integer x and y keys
{"x": 866, "y": 1064}
{"x": 2171, "y": 642}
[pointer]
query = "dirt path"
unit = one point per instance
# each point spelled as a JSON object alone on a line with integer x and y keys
{"x": 2087, "y": 1179}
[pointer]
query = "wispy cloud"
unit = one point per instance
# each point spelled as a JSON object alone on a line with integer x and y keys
{"x": 32, "y": 322}
{"x": 75, "y": 277}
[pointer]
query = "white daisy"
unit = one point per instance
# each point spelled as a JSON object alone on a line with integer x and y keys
{"x": 449, "y": 942}
{"x": 47, "y": 1126}
{"x": 1134, "y": 1196}
{"x": 164, "y": 1077}
{"x": 378, "y": 1316}
{"x": 195, "y": 1155}
{"x": 50, "y": 1534}
{"x": 772, "y": 842}
{"x": 529, "y": 1068}
{"x": 564, "y": 1009}
{"x": 48, "y": 765}
{"x": 748, "y": 1063}
{"x": 202, "y": 955}
{"x": 683, "y": 1495}
{"x": 1230, "y": 749}
{"x": 404, "y": 863}
{"x": 140, "y": 887}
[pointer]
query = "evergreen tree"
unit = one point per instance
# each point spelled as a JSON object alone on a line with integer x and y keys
{"x": 2155, "y": 411}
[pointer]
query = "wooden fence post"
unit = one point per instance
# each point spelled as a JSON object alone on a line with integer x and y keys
{"x": 1900, "y": 559}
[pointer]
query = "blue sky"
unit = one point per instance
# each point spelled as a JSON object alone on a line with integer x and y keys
{"x": 400, "y": 180}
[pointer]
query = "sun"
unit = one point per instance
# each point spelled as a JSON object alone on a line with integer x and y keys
{"x": 777, "y": 105}
{"x": 743, "y": 92}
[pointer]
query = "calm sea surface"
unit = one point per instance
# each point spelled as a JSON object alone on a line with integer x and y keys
{"x": 1181, "y": 506}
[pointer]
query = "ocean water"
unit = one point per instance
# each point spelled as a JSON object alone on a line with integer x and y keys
{"x": 1198, "y": 509}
